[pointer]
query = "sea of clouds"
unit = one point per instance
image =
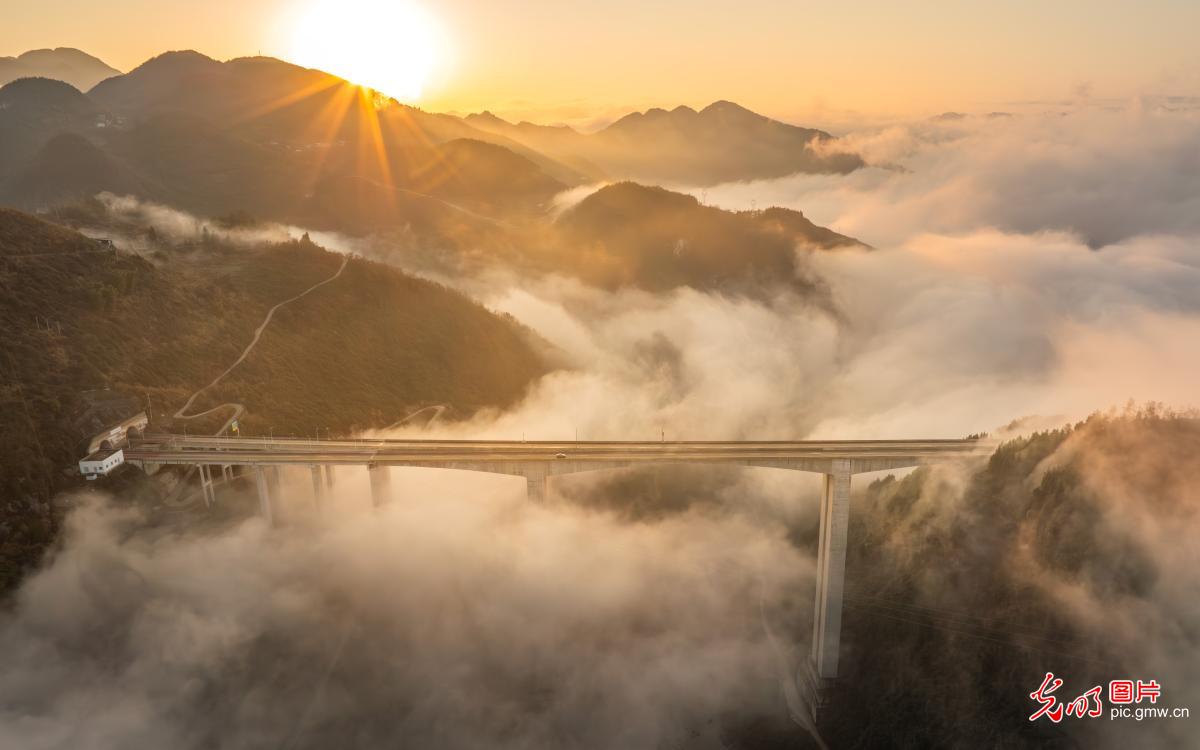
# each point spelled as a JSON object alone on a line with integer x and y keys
{"x": 1041, "y": 266}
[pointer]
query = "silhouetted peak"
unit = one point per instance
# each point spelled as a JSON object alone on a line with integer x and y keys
{"x": 59, "y": 54}
{"x": 526, "y": 125}
{"x": 721, "y": 109}
{"x": 724, "y": 105}
{"x": 34, "y": 55}
{"x": 635, "y": 198}
{"x": 38, "y": 85}
{"x": 654, "y": 114}
{"x": 177, "y": 60}
{"x": 77, "y": 68}
{"x": 43, "y": 93}
{"x": 487, "y": 118}
{"x": 731, "y": 111}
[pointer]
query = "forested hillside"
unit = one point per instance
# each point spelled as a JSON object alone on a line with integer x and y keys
{"x": 1068, "y": 550}
{"x": 358, "y": 352}
{"x": 630, "y": 234}
{"x": 1065, "y": 553}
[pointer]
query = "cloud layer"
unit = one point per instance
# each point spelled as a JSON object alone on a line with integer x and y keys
{"x": 463, "y": 617}
{"x": 1104, "y": 175}
{"x": 462, "y": 620}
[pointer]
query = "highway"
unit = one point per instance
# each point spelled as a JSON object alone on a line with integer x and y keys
{"x": 180, "y": 449}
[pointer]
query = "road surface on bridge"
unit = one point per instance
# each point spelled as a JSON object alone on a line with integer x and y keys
{"x": 179, "y": 449}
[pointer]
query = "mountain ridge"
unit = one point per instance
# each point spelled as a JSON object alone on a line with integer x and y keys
{"x": 66, "y": 64}
{"x": 159, "y": 324}
{"x": 627, "y": 234}
{"x": 723, "y": 142}
{"x": 214, "y": 138}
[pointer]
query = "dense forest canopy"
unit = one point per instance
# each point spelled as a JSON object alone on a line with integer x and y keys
{"x": 80, "y": 315}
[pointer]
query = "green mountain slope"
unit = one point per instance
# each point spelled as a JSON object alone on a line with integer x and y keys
{"x": 629, "y": 234}
{"x": 358, "y": 352}
{"x": 1062, "y": 553}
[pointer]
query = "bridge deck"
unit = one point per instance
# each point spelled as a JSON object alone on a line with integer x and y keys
{"x": 179, "y": 449}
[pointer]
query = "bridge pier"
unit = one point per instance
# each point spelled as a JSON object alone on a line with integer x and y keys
{"x": 206, "y": 486}
{"x": 831, "y": 581}
{"x": 318, "y": 484}
{"x": 266, "y": 501}
{"x": 380, "y": 483}
{"x": 535, "y": 482}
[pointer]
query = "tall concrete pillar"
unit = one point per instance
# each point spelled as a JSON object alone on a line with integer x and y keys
{"x": 535, "y": 478}
{"x": 329, "y": 476}
{"x": 266, "y": 502}
{"x": 227, "y": 473}
{"x": 380, "y": 483}
{"x": 831, "y": 570}
{"x": 318, "y": 483}
{"x": 206, "y": 486}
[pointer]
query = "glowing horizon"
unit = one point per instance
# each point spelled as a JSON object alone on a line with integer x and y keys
{"x": 392, "y": 47}
{"x": 578, "y": 61}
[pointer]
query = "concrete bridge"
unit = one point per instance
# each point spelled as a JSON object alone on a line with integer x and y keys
{"x": 537, "y": 461}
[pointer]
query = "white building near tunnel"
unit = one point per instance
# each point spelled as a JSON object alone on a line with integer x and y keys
{"x": 101, "y": 463}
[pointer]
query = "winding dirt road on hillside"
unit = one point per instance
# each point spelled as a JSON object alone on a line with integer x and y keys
{"x": 239, "y": 409}
{"x": 174, "y": 500}
{"x": 437, "y": 410}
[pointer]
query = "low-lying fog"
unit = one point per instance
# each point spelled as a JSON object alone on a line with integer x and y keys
{"x": 1035, "y": 266}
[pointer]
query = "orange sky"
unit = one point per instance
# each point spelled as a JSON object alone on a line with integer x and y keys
{"x": 558, "y": 59}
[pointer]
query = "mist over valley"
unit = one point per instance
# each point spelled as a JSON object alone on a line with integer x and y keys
{"x": 343, "y": 305}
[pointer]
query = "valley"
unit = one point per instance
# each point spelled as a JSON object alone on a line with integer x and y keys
{"x": 547, "y": 397}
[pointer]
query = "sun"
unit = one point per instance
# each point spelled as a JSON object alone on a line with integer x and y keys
{"x": 392, "y": 46}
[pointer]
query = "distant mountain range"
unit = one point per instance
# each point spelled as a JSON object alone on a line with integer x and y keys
{"x": 79, "y": 69}
{"x": 723, "y": 142}
{"x": 261, "y": 136}
{"x": 270, "y": 137}
{"x": 265, "y": 138}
